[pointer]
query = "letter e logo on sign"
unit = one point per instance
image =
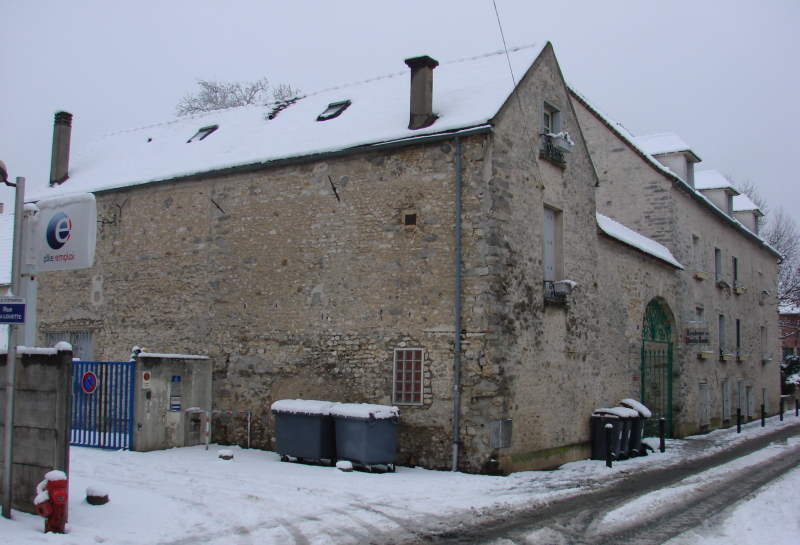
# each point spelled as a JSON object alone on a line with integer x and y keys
{"x": 58, "y": 231}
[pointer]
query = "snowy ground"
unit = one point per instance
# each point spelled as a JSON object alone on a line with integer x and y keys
{"x": 190, "y": 495}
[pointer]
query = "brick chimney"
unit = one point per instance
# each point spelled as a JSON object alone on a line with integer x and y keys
{"x": 421, "y": 92}
{"x": 59, "y": 163}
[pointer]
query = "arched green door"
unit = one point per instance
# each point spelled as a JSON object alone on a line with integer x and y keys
{"x": 657, "y": 367}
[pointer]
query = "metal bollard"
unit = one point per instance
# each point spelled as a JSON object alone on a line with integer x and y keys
{"x": 662, "y": 434}
{"x": 739, "y": 420}
{"x": 782, "y": 404}
{"x": 609, "y": 454}
{"x": 763, "y": 415}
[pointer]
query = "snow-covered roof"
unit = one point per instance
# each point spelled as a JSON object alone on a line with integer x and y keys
{"x": 632, "y": 238}
{"x": 663, "y": 143}
{"x": 640, "y": 150}
{"x": 466, "y": 94}
{"x": 6, "y": 247}
{"x": 712, "y": 179}
{"x": 742, "y": 203}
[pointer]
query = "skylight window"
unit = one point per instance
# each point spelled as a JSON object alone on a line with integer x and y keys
{"x": 334, "y": 110}
{"x": 202, "y": 133}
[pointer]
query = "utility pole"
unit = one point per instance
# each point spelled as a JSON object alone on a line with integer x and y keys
{"x": 11, "y": 361}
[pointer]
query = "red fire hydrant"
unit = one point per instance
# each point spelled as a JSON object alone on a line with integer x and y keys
{"x": 51, "y": 501}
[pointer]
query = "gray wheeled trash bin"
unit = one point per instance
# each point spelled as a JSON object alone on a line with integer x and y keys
{"x": 599, "y": 420}
{"x": 637, "y": 447}
{"x": 304, "y": 429}
{"x": 366, "y": 434}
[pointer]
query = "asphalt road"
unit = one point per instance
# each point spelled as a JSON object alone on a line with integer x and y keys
{"x": 577, "y": 520}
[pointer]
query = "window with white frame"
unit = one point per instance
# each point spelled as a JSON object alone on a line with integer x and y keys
{"x": 551, "y": 120}
{"x": 408, "y": 376}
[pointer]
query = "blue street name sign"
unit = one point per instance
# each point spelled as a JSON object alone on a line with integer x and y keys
{"x": 12, "y": 310}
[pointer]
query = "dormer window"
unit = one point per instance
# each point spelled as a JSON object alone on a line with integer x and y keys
{"x": 202, "y": 133}
{"x": 334, "y": 109}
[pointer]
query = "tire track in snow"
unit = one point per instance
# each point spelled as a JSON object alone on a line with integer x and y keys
{"x": 573, "y": 520}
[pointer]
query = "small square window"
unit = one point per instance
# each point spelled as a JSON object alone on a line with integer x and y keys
{"x": 202, "y": 133}
{"x": 410, "y": 220}
{"x": 334, "y": 110}
{"x": 408, "y": 376}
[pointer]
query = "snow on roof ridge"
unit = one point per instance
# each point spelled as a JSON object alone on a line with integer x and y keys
{"x": 272, "y": 104}
{"x": 630, "y": 237}
{"x": 404, "y": 72}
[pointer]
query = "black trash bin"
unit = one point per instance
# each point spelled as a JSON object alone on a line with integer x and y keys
{"x": 304, "y": 429}
{"x": 366, "y": 434}
{"x": 599, "y": 421}
{"x": 636, "y": 447}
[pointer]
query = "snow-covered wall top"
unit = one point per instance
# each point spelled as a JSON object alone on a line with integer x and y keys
{"x": 632, "y": 238}
{"x": 172, "y": 356}
{"x": 466, "y": 93}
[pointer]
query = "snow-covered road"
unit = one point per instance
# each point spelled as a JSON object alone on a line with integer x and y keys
{"x": 189, "y": 495}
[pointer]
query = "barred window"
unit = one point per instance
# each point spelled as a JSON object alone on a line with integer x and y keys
{"x": 408, "y": 376}
{"x": 81, "y": 342}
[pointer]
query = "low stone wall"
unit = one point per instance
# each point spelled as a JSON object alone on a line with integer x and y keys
{"x": 41, "y": 421}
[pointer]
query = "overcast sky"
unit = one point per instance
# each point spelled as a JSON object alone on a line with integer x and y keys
{"x": 724, "y": 75}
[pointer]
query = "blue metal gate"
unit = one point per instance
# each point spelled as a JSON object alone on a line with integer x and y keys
{"x": 102, "y": 404}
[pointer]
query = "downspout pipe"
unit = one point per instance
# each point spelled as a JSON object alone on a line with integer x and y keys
{"x": 457, "y": 310}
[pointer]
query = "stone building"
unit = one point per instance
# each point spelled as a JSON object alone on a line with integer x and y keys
{"x": 432, "y": 244}
{"x": 721, "y": 309}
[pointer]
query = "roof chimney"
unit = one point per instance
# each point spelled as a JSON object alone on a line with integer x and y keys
{"x": 59, "y": 163}
{"x": 421, "y": 92}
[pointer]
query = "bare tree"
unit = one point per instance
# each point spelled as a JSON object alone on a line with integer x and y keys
{"x": 218, "y": 95}
{"x": 780, "y": 231}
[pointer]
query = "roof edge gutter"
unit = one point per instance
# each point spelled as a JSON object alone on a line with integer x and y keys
{"x": 392, "y": 144}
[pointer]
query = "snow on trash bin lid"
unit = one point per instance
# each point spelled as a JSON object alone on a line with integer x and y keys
{"x": 303, "y": 406}
{"x": 636, "y": 406}
{"x": 621, "y": 412}
{"x": 365, "y": 411}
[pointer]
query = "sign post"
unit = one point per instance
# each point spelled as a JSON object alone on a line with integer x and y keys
{"x": 65, "y": 235}
{"x": 12, "y": 310}
{"x": 11, "y": 358}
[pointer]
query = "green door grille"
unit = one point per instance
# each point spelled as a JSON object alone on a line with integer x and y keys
{"x": 657, "y": 368}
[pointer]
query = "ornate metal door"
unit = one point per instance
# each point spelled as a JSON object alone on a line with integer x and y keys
{"x": 657, "y": 368}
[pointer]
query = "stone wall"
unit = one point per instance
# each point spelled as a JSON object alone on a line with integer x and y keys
{"x": 542, "y": 359}
{"x": 640, "y": 196}
{"x": 42, "y": 397}
{"x": 299, "y": 282}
